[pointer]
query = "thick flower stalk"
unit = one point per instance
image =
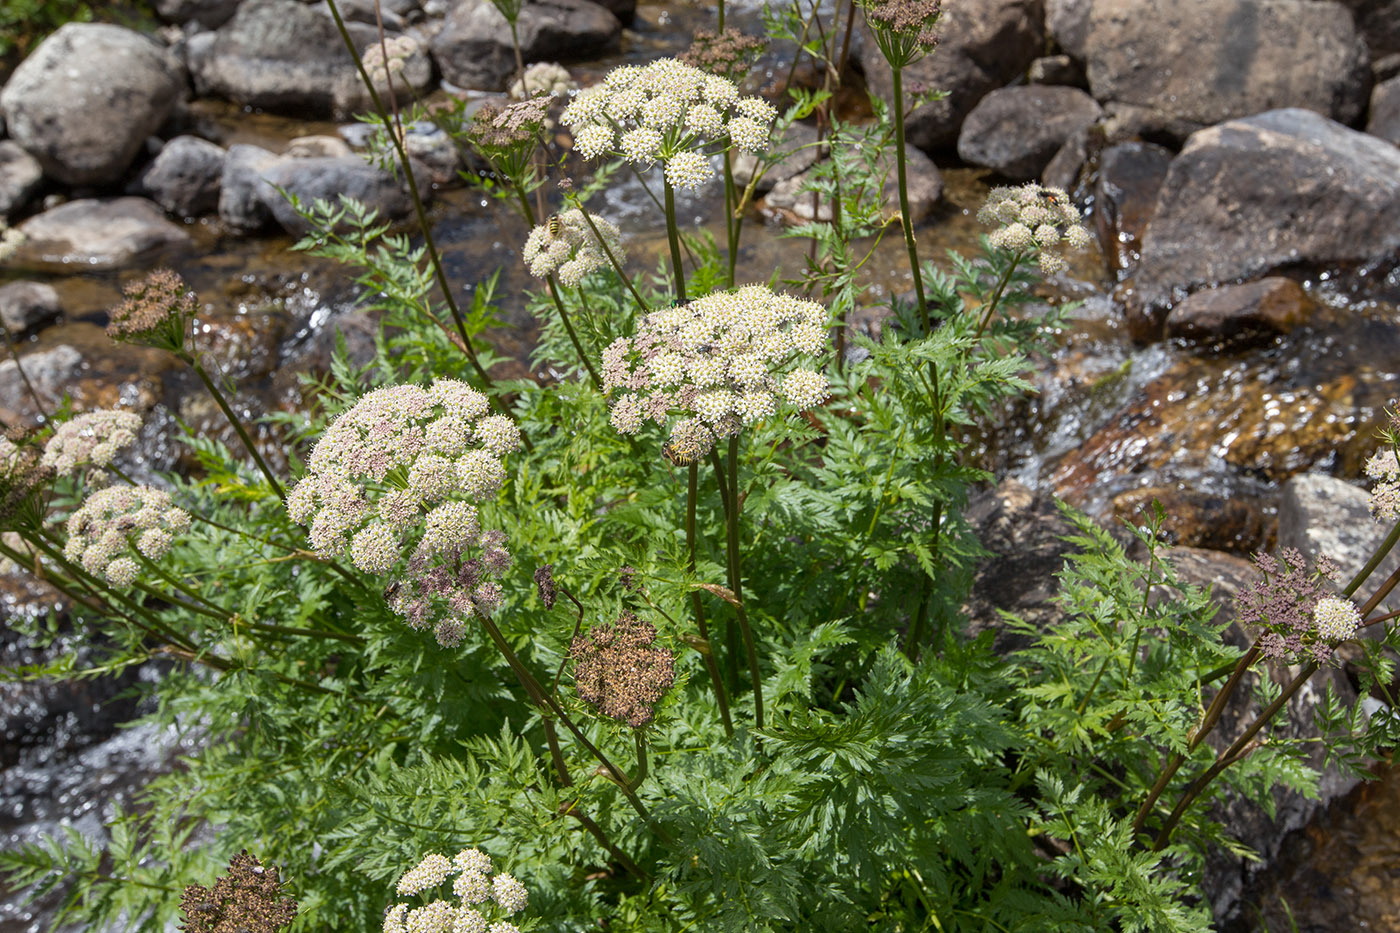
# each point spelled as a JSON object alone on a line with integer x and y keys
{"x": 619, "y": 669}
{"x": 394, "y": 481}
{"x": 90, "y": 441}
{"x": 1299, "y": 618}
{"x": 1033, "y": 219}
{"x": 482, "y": 899}
{"x": 667, "y": 112}
{"x": 568, "y": 246}
{"x": 116, "y": 527}
{"x": 716, "y": 364}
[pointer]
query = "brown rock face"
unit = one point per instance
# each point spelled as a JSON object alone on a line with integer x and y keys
{"x": 1125, "y": 195}
{"x": 1238, "y": 316}
{"x": 1017, "y": 130}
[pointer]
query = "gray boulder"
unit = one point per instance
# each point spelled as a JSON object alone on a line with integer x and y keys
{"x": 288, "y": 57}
{"x": 86, "y": 99}
{"x": 49, "y": 372}
{"x": 20, "y": 177}
{"x": 210, "y": 14}
{"x": 473, "y": 49}
{"x": 1287, "y": 188}
{"x": 1016, "y": 131}
{"x": 1207, "y": 62}
{"x": 1385, "y": 111}
{"x": 24, "y": 306}
{"x": 184, "y": 177}
{"x": 983, "y": 45}
{"x": 240, "y": 202}
{"x": 329, "y": 178}
{"x": 1379, "y": 22}
{"x": 96, "y": 234}
{"x": 1322, "y": 515}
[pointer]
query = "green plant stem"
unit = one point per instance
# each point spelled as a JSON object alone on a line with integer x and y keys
{"x": 573, "y": 334}
{"x": 596, "y": 831}
{"x": 736, "y": 576}
{"x": 698, "y": 605}
{"x": 233, "y": 420}
{"x": 640, "y": 774}
{"x": 720, "y": 25}
{"x": 674, "y": 239}
{"x": 433, "y": 258}
{"x": 996, "y": 295}
{"x": 612, "y": 258}
{"x": 551, "y": 738}
{"x": 906, "y": 220}
{"x": 733, "y": 216}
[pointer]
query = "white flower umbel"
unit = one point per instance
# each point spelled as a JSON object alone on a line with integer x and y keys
{"x": 1385, "y": 498}
{"x": 481, "y": 898}
{"x": 1337, "y": 619}
{"x": 664, "y": 112}
{"x": 710, "y": 367}
{"x": 1030, "y": 217}
{"x": 90, "y": 440}
{"x": 566, "y": 244}
{"x": 114, "y": 525}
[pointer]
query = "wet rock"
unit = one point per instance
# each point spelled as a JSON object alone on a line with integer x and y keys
{"x": 49, "y": 372}
{"x": 1067, "y": 22}
{"x": 1239, "y": 316}
{"x": 1211, "y": 62}
{"x": 99, "y": 233}
{"x": 983, "y": 45}
{"x": 1287, "y": 188}
{"x": 792, "y": 204}
{"x": 1056, "y": 70}
{"x": 801, "y": 153}
{"x": 24, "y": 306}
{"x": 474, "y": 47}
{"x": 240, "y": 199}
{"x": 85, "y": 100}
{"x": 289, "y": 57}
{"x": 317, "y": 147}
{"x": 1125, "y": 194}
{"x": 184, "y": 177}
{"x": 1199, "y": 518}
{"x": 1385, "y": 111}
{"x": 208, "y": 14}
{"x": 309, "y": 179}
{"x": 20, "y": 178}
{"x": 1322, "y": 515}
{"x": 1067, "y": 167}
{"x": 1016, "y": 131}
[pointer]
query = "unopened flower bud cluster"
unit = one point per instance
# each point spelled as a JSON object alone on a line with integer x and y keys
{"x": 567, "y": 245}
{"x": 1298, "y": 617}
{"x": 718, "y": 363}
{"x": 112, "y": 523}
{"x": 671, "y": 113}
{"x": 1385, "y": 498}
{"x": 1031, "y": 218}
{"x": 393, "y": 483}
{"x": 89, "y": 440}
{"x": 483, "y": 899}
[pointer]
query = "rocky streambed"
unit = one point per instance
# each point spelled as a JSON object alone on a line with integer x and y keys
{"x": 1233, "y": 348}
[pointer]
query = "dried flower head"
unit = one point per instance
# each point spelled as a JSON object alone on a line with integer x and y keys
{"x": 246, "y": 899}
{"x": 508, "y": 136}
{"x": 619, "y": 669}
{"x": 905, "y": 30}
{"x": 1385, "y": 498}
{"x": 718, "y": 363}
{"x": 544, "y": 582}
{"x": 157, "y": 312}
{"x": 729, "y": 54}
{"x": 386, "y": 59}
{"x": 1299, "y": 619}
{"x": 481, "y": 897}
{"x": 393, "y": 483}
{"x": 548, "y": 78}
{"x": 657, "y": 112}
{"x": 566, "y": 244}
{"x": 1030, "y": 218}
{"x": 113, "y": 525}
{"x": 90, "y": 440}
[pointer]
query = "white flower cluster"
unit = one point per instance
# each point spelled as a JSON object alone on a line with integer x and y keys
{"x": 667, "y": 112}
{"x": 1337, "y": 619}
{"x": 483, "y": 897}
{"x": 111, "y": 521}
{"x": 567, "y": 245}
{"x": 721, "y": 362}
{"x": 381, "y": 61}
{"x": 393, "y": 481}
{"x": 90, "y": 440}
{"x": 542, "y": 78}
{"x": 1032, "y": 218}
{"x": 1385, "y": 498}
{"x": 10, "y": 241}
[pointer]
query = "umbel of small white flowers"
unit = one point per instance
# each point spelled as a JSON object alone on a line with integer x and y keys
{"x": 713, "y": 365}
{"x": 481, "y": 897}
{"x": 667, "y": 112}
{"x": 1031, "y": 218}
{"x": 1385, "y": 498}
{"x": 90, "y": 440}
{"x": 114, "y": 524}
{"x": 567, "y": 245}
{"x": 393, "y": 482}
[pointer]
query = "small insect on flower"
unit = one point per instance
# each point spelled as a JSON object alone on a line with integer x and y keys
{"x": 677, "y": 456}
{"x": 553, "y": 225}
{"x": 1050, "y": 197}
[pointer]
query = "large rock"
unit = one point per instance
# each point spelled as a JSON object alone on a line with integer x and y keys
{"x": 1207, "y": 61}
{"x": 1379, "y": 23}
{"x": 1322, "y": 515}
{"x": 1287, "y": 188}
{"x": 1016, "y": 131}
{"x": 792, "y": 204}
{"x": 184, "y": 177}
{"x": 289, "y": 57}
{"x": 1125, "y": 195}
{"x": 86, "y": 99}
{"x": 241, "y": 205}
{"x": 26, "y": 305}
{"x": 474, "y": 47}
{"x": 1385, "y": 111}
{"x": 209, "y": 14}
{"x": 983, "y": 45}
{"x": 95, "y": 234}
{"x": 329, "y": 178}
{"x": 20, "y": 178}
{"x": 48, "y": 372}
{"x": 1239, "y": 316}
